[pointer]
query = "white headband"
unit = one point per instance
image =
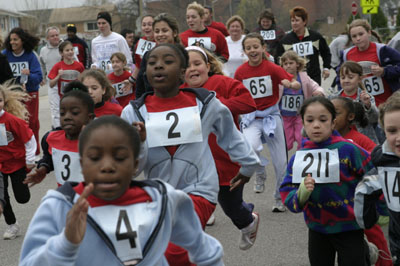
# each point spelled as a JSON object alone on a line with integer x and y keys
{"x": 196, "y": 48}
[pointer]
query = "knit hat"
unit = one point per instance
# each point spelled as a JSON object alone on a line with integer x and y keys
{"x": 105, "y": 15}
{"x": 71, "y": 28}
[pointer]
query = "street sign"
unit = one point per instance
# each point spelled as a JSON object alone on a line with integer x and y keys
{"x": 365, "y": 3}
{"x": 370, "y": 10}
{"x": 354, "y": 8}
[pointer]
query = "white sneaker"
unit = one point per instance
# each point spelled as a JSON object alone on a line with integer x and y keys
{"x": 373, "y": 251}
{"x": 211, "y": 220}
{"x": 278, "y": 207}
{"x": 12, "y": 231}
{"x": 259, "y": 182}
{"x": 249, "y": 233}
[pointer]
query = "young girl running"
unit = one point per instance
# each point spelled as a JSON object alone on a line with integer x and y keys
{"x": 67, "y": 70}
{"x": 205, "y": 71}
{"x": 101, "y": 91}
{"x": 60, "y": 147}
{"x": 123, "y": 222}
{"x": 17, "y": 151}
{"x": 262, "y": 79}
{"x": 178, "y": 124}
{"x": 119, "y": 79}
{"x": 320, "y": 181}
{"x": 380, "y": 63}
{"x": 292, "y": 99}
{"x": 350, "y": 75}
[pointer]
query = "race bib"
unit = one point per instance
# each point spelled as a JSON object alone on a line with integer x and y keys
{"x": 144, "y": 46}
{"x": 105, "y": 65}
{"x": 292, "y": 102}
{"x": 366, "y": 67}
{"x": 303, "y": 48}
{"x": 389, "y": 178}
{"x": 204, "y": 42}
{"x": 66, "y": 166}
{"x": 63, "y": 85}
{"x": 174, "y": 127}
{"x": 322, "y": 164}
{"x": 268, "y": 34}
{"x": 374, "y": 85}
{"x": 119, "y": 91}
{"x": 3, "y": 135}
{"x": 16, "y": 67}
{"x": 259, "y": 87}
{"x": 76, "y": 50}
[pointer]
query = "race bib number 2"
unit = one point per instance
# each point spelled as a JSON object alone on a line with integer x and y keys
{"x": 389, "y": 178}
{"x": 259, "y": 87}
{"x": 321, "y": 164}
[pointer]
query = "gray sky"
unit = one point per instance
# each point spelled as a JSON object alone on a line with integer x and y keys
{"x": 37, "y": 4}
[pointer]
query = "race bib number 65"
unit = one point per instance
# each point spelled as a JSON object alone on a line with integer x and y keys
{"x": 259, "y": 87}
{"x": 321, "y": 164}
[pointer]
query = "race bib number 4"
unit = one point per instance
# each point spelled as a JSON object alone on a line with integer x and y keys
{"x": 292, "y": 102}
{"x": 119, "y": 90}
{"x": 268, "y": 34}
{"x": 16, "y": 67}
{"x": 174, "y": 127}
{"x": 374, "y": 85}
{"x": 259, "y": 87}
{"x": 322, "y": 165}
{"x": 204, "y": 42}
{"x": 66, "y": 166}
{"x": 144, "y": 46}
{"x": 303, "y": 48}
{"x": 389, "y": 178}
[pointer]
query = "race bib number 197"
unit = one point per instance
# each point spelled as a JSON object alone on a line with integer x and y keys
{"x": 303, "y": 48}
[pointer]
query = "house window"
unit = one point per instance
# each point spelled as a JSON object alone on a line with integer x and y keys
{"x": 91, "y": 26}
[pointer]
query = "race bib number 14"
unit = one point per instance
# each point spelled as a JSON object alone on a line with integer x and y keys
{"x": 389, "y": 178}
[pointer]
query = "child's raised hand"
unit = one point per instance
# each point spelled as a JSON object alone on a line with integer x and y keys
{"x": 35, "y": 176}
{"x": 309, "y": 183}
{"x": 127, "y": 86}
{"x": 238, "y": 180}
{"x": 365, "y": 99}
{"x": 141, "y": 128}
{"x": 75, "y": 226}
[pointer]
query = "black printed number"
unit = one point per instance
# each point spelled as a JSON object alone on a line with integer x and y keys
{"x": 66, "y": 160}
{"x": 261, "y": 85}
{"x": 130, "y": 235}
{"x": 199, "y": 42}
{"x": 372, "y": 85}
{"x": 292, "y": 102}
{"x": 16, "y": 68}
{"x": 104, "y": 64}
{"x": 171, "y": 133}
{"x": 395, "y": 188}
{"x": 146, "y": 47}
{"x": 311, "y": 157}
{"x": 302, "y": 48}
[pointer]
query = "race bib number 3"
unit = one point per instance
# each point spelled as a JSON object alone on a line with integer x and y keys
{"x": 204, "y": 42}
{"x": 174, "y": 127}
{"x": 144, "y": 46}
{"x": 66, "y": 166}
{"x": 322, "y": 164}
{"x": 3, "y": 135}
{"x": 268, "y": 34}
{"x": 374, "y": 85}
{"x": 259, "y": 87}
{"x": 303, "y": 48}
{"x": 292, "y": 102}
{"x": 16, "y": 67}
{"x": 389, "y": 178}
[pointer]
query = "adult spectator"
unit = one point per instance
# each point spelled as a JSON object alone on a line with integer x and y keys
{"x": 107, "y": 43}
{"x": 200, "y": 35}
{"x": 129, "y": 36}
{"x": 26, "y": 69}
{"x": 271, "y": 33}
{"x": 80, "y": 46}
{"x": 209, "y": 22}
{"x": 236, "y": 55}
{"x": 395, "y": 42}
{"x": 306, "y": 43}
{"x": 49, "y": 56}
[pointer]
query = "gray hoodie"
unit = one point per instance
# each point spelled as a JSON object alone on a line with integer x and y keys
{"x": 49, "y": 56}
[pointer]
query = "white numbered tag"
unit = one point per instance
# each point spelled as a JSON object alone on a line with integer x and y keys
{"x": 259, "y": 87}
{"x": 66, "y": 166}
{"x": 389, "y": 178}
{"x": 144, "y": 46}
{"x": 268, "y": 34}
{"x": 204, "y": 42}
{"x": 3, "y": 135}
{"x": 366, "y": 66}
{"x": 119, "y": 92}
{"x": 374, "y": 85}
{"x": 303, "y": 48}
{"x": 174, "y": 127}
{"x": 322, "y": 164}
{"x": 292, "y": 102}
{"x": 63, "y": 85}
{"x": 76, "y": 50}
{"x": 16, "y": 67}
{"x": 124, "y": 226}
{"x": 105, "y": 65}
